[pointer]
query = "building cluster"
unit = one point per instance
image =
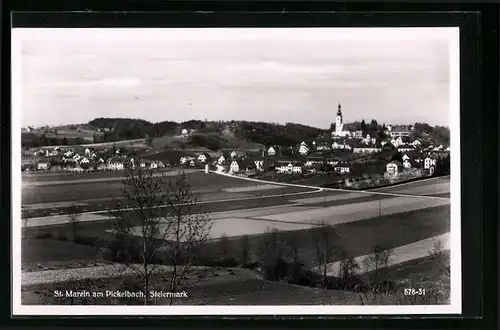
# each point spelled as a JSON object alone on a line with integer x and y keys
{"x": 83, "y": 159}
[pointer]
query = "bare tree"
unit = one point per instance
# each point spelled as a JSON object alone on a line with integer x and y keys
{"x": 348, "y": 268}
{"x": 74, "y": 218}
{"x": 438, "y": 256}
{"x": 293, "y": 242}
{"x": 159, "y": 223}
{"x": 224, "y": 245}
{"x": 377, "y": 262}
{"x": 324, "y": 238}
{"x": 245, "y": 250}
{"x": 272, "y": 251}
{"x": 189, "y": 230}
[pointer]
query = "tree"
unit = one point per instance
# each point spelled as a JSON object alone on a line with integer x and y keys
{"x": 324, "y": 237}
{"x": 293, "y": 242}
{"x": 224, "y": 246}
{"x": 161, "y": 221}
{"x": 73, "y": 218}
{"x": 364, "y": 127}
{"x": 347, "y": 270}
{"x": 65, "y": 141}
{"x": 271, "y": 254}
{"x": 245, "y": 250}
{"x": 377, "y": 263}
{"x": 438, "y": 256}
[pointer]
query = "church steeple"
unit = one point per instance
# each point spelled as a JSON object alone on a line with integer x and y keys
{"x": 339, "y": 111}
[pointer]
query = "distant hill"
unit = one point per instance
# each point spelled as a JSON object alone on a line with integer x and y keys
{"x": 210, "y": 135}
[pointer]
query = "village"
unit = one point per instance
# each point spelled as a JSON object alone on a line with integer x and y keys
{"x": 398, "y": 153}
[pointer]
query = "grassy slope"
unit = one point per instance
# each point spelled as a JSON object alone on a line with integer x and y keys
{"x": 236, "y": 286}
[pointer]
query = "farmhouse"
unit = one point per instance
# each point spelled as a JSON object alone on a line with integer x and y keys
{"x": 271, "y": 151}
{"x": 429, "y": 162}
{"x": 394, "y": 167}
{"x": 116, "y": 164}
{"x": 323, "y": 146}
{"x": 288, "y": 167}
{"x": 43, "y": 165}
{"x": 416, "y": 143}
{"x": 399, "y": 132}
{"x": 314, "y": 160}
{"x": 303, "y": 149}
{"x": 362, "y": 148}
{"x": 185, "y": 160}
{"x": 241, "y": 165}
{"x": 342, "y": 168}
{"x": 259, "y": 164}
{"x": 410, "y": 163}
{"x": 357, "y": 134}
{"x": 331, "y": 161}
{"x": 406, "y": 148}
{"x": 341, "y": 146}
{"x": 204, "y": 157}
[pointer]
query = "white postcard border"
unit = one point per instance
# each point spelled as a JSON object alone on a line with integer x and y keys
{"x": 455, "y": 306}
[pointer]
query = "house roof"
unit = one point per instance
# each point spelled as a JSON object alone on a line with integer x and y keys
{"x": 342, "y": 164}
{"x": 285, "y": 163}
{"x": 115, "y": 160}
{"x": 396, "y": 162}
{"x": 316, "y": 158}
{"x": 400, "y": 129}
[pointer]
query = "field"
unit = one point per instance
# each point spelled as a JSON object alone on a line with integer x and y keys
{"x": 240, "y": 207}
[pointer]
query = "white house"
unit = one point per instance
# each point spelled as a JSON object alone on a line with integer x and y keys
{"x": 115, "y": 164}
{"x": 233, "y": 154}
{"x": 366, "y": 149}
{"x": 204, "y": 157}
{"x": 303, "y": 149}
{"x": 221, "y": 160}
{"x": 447, "y": 149}
{"x": 416, "y": 143}
{"x": 271, "y": 151}
{"x": 259, "y": 164}
{"x": 429, "y": 162}
{"x": 289, "y": 167}
{"x": 394, "y": 167}
{"x": 342, "y": 168}
{"x": 234, "y": 167}
{"x": 399, "y": 132}
{"x": 184, "y": 132}
{"x": 331, "y": 161}
{"x": 43, "y": 165}
{"x": 84, "y": 160}
{"x": 323, "y": 146}
{"x": 341, "y": 146}
{"x": 405, "y": 157}
{"x": 406, "y": 148}
{"x": 358, "y": 134}
{"x": 314, "y": 160}
{"x": 87, "y": 151}
{"x": 185, "y": 160}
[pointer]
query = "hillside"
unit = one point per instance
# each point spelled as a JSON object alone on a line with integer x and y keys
{"x": 211, "y": 135}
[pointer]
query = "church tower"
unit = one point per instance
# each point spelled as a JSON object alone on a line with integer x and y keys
{"x": 338, "y": 122}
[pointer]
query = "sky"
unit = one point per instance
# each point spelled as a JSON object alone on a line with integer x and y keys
{"x": 396, "y": 76}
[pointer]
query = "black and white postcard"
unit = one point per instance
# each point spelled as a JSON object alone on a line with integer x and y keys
{"x": 243, "y": 171}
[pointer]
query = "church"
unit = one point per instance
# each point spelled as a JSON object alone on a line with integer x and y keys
{"x": 339, "y": 125}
